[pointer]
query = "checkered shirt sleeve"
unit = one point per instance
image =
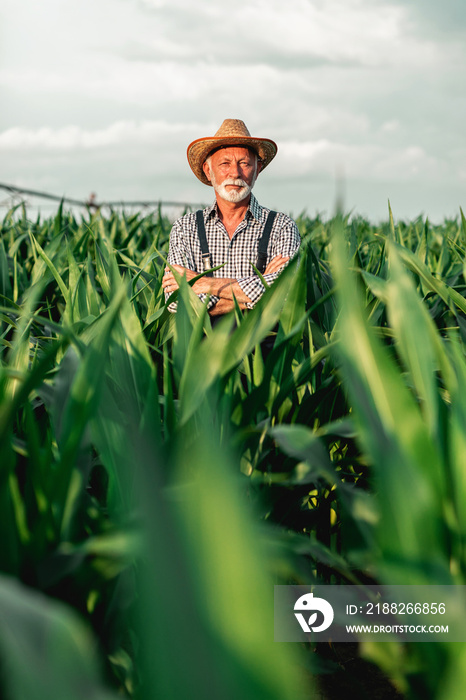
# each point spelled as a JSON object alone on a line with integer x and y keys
{"x": 236, "y": 255}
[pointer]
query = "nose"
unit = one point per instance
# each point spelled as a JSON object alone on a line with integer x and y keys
{"x": 235, "y": 170}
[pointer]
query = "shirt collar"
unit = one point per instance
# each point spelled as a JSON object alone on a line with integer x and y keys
{"x": 254, "y": 210}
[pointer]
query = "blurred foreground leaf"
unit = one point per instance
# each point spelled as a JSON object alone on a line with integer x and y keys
{"x": 46, "y": 651}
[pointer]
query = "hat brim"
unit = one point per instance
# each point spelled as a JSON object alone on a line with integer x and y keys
{"x": 199, "y": 150}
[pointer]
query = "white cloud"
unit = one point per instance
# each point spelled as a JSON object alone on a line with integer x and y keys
{"x": 352, "y": 31}
{"x": 391, "y": 126}
{"x": 74, "y": 137}
{"x": 174, "y": 4}
{"x": 366, "y": 161}
{"x": 334, "y": 30}
{"x": 143, "y": 83}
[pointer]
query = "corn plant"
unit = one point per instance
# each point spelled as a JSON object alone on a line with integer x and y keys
{"x": 159, "y": 474}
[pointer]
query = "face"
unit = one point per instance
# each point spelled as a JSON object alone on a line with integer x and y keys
{"x": 232, "y": 172}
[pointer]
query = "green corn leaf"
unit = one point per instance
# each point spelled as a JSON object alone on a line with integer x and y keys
{"x": 83, "y": 382}
{"x": 220, "y": 654}
{"x": 260, "y": 320}
{"x": 456, "y": 385}
{"x": 5, "y": 284}
{"x": 102, "y": 267}
{"x": 53, "y": 269}
{"x": 46, "y": 650}
{"x": 416, "y": 338}
{"x": 393, "y": 433}
{"x": 450, "y": 296}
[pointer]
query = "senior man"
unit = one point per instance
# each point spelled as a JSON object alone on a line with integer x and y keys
{"x": 235, "y": 232}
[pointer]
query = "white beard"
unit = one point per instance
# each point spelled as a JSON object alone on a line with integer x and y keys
{"x": 233, "y": 195}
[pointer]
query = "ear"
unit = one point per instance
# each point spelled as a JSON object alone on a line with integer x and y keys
{"x": 206, "y": 169}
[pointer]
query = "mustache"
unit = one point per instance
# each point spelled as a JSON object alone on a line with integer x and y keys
{"x": 237, "y": 183}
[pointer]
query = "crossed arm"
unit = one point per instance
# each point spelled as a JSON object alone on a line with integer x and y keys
{"x": 227, "y": 289}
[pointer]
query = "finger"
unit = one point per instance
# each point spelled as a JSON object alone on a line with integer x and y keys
{"x": 275, "y": 264}
{"x": 278, "y": 261}
{"x": 168, "y": 282}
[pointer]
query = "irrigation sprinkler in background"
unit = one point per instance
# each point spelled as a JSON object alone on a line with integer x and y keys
{"x": 91, "y": 203}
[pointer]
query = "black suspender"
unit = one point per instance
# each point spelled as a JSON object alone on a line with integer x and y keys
{"x": 206, "y": 259}
{"x": 261, "y": 263}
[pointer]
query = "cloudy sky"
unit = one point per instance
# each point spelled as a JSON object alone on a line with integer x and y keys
{"x": 363, "y": 96}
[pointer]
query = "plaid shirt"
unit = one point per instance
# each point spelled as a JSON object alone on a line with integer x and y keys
{"x": 238, "y": 252}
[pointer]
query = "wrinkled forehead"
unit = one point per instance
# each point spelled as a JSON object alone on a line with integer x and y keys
{"x": 236, "y": 152}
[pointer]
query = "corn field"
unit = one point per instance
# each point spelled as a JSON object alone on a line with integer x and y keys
{"x": 159, "y": 475}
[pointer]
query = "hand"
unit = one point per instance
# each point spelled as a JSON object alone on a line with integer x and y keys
{"x": 218, "y": 286}
{"x": 276, "y": 264}
{"x": 169, "y": 282}
{"x": 223, "y": 306}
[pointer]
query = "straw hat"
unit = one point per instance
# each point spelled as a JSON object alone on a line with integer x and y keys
{"x": 233, "y": 132}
